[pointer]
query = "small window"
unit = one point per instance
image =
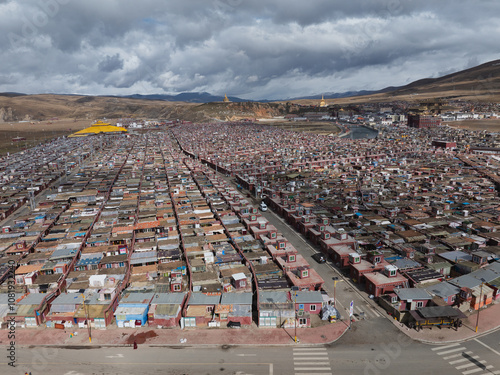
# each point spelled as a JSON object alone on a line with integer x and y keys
{"x": 302, "y": 321}
{"x": 305, "y": 273}
{"x": 210, "y": 309}
{"x": 392, "y": 273}
{"x": 273, "y": 235}
{"x": 291, "y": 258}
{"x": 377, "y": 260}
{"x": 282, "y": 245}
{"x": 177, "y": 287}
{"x": 107, "y": 296}
{"x": 394, "y": 299}
{"x": 312, "y": 308}
{"x": 420, "y": 304}
{"x": 453, "y": 298}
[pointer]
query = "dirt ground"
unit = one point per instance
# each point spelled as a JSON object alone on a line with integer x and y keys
{"x": 492, "y": 125}
{"x": 318, "y": 127}
{"x": 37, "y": 132}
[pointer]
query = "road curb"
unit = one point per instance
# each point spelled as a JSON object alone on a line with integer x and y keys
{"x": 441, "y": 342}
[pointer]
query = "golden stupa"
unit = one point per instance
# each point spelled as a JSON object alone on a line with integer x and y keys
{"x": 322, "y": 103}
{"x": 226, "y": 99}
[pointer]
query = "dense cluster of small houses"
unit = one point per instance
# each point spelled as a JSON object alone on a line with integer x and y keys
{"x": 148, "y": 230}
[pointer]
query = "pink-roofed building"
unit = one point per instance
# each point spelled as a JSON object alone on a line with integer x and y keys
{"x": 276, "y": 251}
{"x": 340, "y": 255}
{"x": 379, "y": 283}
{"x": 292, "y": 262}
{"x": 305, "y": 278}
{"x": 330, "y": 240}
{"x": 262, "y": 229}
{"x": 359, "y": 267}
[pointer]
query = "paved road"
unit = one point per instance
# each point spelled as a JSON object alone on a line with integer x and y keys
{"x": 345, "y": 291}
{"x": 366, "y": 349}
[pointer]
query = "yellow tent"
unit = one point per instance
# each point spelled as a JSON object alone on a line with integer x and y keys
{"x": 99, "y": 127}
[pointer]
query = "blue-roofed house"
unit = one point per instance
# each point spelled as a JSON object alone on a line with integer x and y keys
{"x": 133, "y": 309}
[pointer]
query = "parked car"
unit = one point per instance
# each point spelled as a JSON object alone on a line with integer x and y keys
{"x": 233, "y": 325}
{"x": 318, "y": 257}
{"x": 263, "y": 206}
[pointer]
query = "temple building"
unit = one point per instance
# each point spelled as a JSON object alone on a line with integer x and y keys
{"x": 97, "y": 128}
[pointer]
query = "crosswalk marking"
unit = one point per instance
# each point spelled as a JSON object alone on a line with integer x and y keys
{"x": 311, "y": 363}
{"x": 311, "y": 368}
{"x": 477, "y": 369}
{"x": 373, "y": 311}
{"x": 451, "y": 350}
{"x": 456, "y": 355}
{"x": 444, "y": 347}
{"x": 311, "y": 360}
{"x": 307, "y": 349}
{"x": 366, "y": 311}
{"x": 463, "y": 360}
{"x": 470, "y": 364}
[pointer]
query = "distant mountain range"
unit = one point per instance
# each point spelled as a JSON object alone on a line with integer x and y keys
{"x": 188, "y": 97}
{"x": 205, "y": 97}
{"x": 480, "y": 83}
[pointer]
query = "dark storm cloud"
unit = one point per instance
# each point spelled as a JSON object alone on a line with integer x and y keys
{"x": 111, "y": 63}
{"x": 254, "y": 49}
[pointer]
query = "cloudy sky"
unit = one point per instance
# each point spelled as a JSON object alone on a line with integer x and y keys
{"x": 254, "y": 49}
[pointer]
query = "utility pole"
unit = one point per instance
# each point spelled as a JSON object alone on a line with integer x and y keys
{"x": 335, "y": 281}
{"x": 85, "y": 309}
{"x": 480, "y": 300}
{"x": 295, "y": 290}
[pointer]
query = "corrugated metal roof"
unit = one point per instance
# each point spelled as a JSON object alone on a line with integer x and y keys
{"x": 167, "y": 298}
{"x": 244, "y": 298}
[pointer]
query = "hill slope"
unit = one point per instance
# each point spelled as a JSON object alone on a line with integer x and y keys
{"x": 46, "y": 106}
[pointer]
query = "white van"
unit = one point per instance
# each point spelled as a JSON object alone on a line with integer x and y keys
{"x": 263, "y": 206}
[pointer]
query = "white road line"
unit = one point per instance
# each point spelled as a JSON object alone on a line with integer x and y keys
{"x": 374, "y": 311}
{"x": 304, "y": 349}
{"x": 309, "y": 353}
{"x": 317, "y": 373}
{"x": 487, "y": 346}
{"x": 444, "y": 347}
{"x": 476, "y": 370}
{"x": 311, "y": 363}
{"x": 462, "y": 360}
{"x": 310, "y": 359}
{"x": 271, "y": 369}
{"x": 470, "y": 364}
{"x": 451, "y": 350}
{"x": 311, "y": 368}
{"x": 456, "y": 355}
{"x": 358, "y": 308}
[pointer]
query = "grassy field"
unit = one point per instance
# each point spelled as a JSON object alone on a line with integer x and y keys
{"x": 318, "y": 127}
{"x": 36, "y": 132}
{"x": 492, "y": 125}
